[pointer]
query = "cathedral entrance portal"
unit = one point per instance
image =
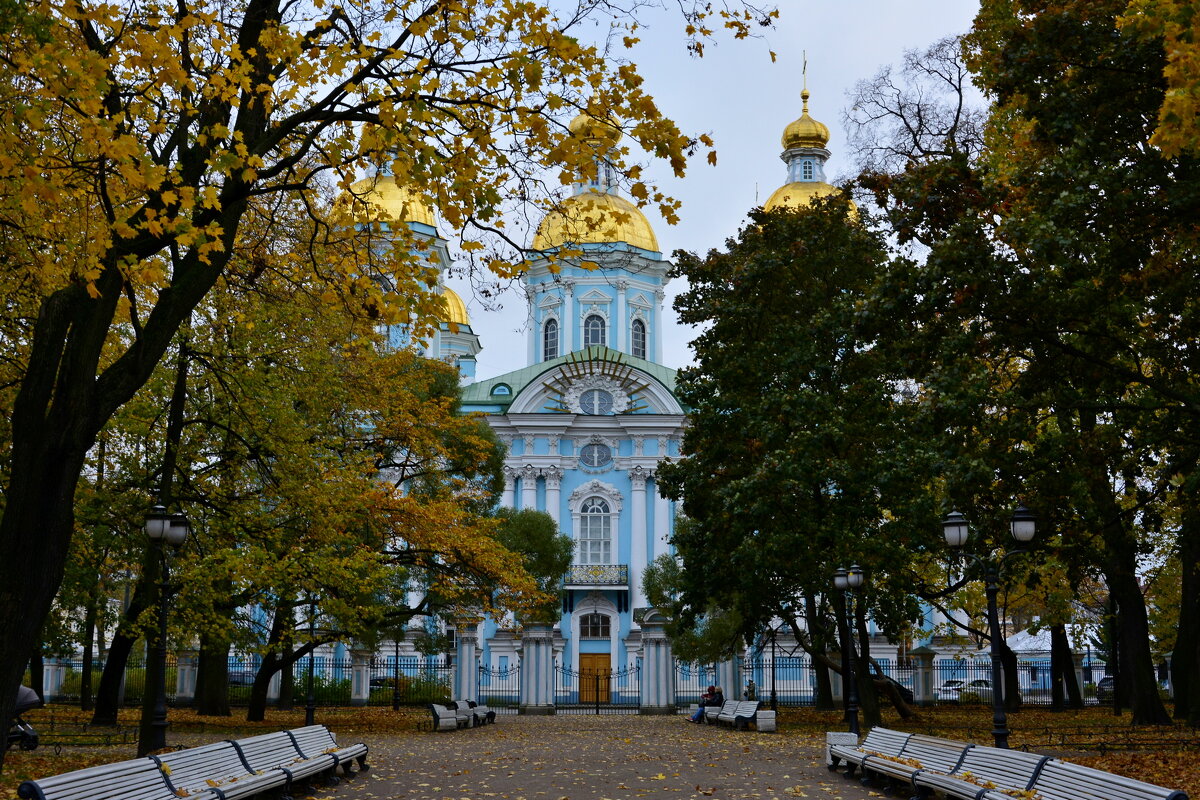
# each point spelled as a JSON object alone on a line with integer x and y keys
{"x": 595, "y": 670}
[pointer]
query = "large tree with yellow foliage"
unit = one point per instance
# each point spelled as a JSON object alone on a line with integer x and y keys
{"x": 135, "y": 139}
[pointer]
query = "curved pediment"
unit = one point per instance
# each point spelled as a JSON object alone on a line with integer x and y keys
{"x": 596, "y": 381}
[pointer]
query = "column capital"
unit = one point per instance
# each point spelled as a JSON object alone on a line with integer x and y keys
{"x": 553, "y": 475}
{"x": 638, "y": 476}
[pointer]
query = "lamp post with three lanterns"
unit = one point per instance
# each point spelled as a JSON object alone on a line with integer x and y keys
{"x": 847, "y": 581}
{"x": 172, "y": 529}
{"x": 1023, "y": 526}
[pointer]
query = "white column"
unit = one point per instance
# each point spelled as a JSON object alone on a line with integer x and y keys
{"x": 658, "y": 685}
{"x": 553, "y": 492}
{"x": 620, "y": 343}
{"x": 570, "y": 316}
{"x": 529, "y": 486}
{"x": 510, "y": 479}
{"x": 638, "y": 543}
{"x": 531, "y": 325}
{"x": 659, "y": 325}
{"x": 662, "y": 523}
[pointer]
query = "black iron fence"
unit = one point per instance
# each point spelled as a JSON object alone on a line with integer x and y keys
{"x": 405, "y": 681}
{"x": 597, "y": 690}
{"x": 500, "y": 688}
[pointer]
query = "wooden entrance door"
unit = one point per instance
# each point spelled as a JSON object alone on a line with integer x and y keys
{"x": 595, "y": 670}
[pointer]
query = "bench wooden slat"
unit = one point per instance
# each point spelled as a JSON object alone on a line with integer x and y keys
{"x": 878, "y": 740}
{"x": 137, "y": 779}
{"x": 277, "y": 751}
{"x": 1062, "y": 780}
{"x": 930, "y": 753}
{"x": 196, "y": 769}
{"x": 314, "y": 740}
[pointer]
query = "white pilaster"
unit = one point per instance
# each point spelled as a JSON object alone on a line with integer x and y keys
{"x": 620, "y": 342}
{"x": 659, "y": 324}
{"x": 531, "y": 326}
{"x": 570, "y": 316}
{"x": 639, "y": 544}
{"x": 662, "y": 523}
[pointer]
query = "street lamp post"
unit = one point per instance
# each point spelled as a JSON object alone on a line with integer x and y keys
{"x": 173, "y": 529}
{"x": 846, "y": 581}
{"x": 1023, "y": 526}
{"x": 310, "y": 707}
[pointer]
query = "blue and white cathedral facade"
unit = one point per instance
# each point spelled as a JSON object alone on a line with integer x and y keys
{"x": 589, "y": 418}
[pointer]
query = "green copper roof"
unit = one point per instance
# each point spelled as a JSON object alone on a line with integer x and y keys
{"x": 480, "y": 393}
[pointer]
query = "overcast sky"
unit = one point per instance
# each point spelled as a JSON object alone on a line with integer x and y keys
{"x": 743, "y": 100}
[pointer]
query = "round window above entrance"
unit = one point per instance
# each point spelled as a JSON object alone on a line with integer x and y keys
{"x": 596, "y": 401}
{"x": 595, "y": 455}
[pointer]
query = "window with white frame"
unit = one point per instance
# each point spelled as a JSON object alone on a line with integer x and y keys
{"x": 594, "y": 626}
{"x": 637, "y": 339}
{"x": 806, "y": 169}
{"x": 593, "y": 330}
{"x": 595, "y": 532}
{"x": 550, "y": 339}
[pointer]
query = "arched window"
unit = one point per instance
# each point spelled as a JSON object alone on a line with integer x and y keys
{"x": 806, "y": 169}
{"x": 593, "y": 330}
{"x": 550, "y": 339}
{"x": 594, "y": 626}
{"x": 637, "y": 337}
{"x": 595, "y": 532}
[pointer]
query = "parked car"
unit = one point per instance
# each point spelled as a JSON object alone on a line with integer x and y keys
{"x": 1104, "y": 690}
{"x": 959, "y": 691}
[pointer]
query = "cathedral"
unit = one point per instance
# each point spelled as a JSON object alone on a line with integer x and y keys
{"x": 593, "y": 412}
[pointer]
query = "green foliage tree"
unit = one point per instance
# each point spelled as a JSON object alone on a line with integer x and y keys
{"x": 146, "y": 138}
{"x": 805, "y": 485}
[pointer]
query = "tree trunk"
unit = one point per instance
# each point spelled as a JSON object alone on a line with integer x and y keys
{"x": 1186, "y": 658}
{"x": 85, "y": 678}
{"x": 212, "y": 678}
{"x": 108, "y": 700}
{"x": 823, "y": 697}
{"x": 868, "y": 697}
{"x": 1012, "y": 677}
{"x": 286, "y": 670}
{"x": 37, "y": 674}
{"x": 1137, "y": 680}
{"x": 1066, "y": 690}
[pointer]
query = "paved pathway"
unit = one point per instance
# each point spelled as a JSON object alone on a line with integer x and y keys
{"x": 592, "y": 758}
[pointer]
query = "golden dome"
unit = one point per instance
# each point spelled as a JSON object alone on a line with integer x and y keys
{"x": 456, "y": 309}
{"x": 595, "y": 218}
{"x": 394, "y": 202}
{"x": 806, "y": 131}
{"x": 800, "y": 194}
{"x": 602, "y": 134}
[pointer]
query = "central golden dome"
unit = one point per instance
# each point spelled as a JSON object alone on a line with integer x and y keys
{"x": 456, "y": 309}
{"x": 806, "y": 131}
{"x": 800, "y": 194}
{"x": 391, "y": 201}
{"x": 595, "y": 218}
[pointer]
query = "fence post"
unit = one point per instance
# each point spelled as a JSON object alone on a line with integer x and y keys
{"x": 537, "y": 670}
{"x": 658, "y": 665}
{"x": 185, "y": 676}
{"x": 466, "y": 671}
{"x": 360, "y": 676}
{"x": 923, "y": 674}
